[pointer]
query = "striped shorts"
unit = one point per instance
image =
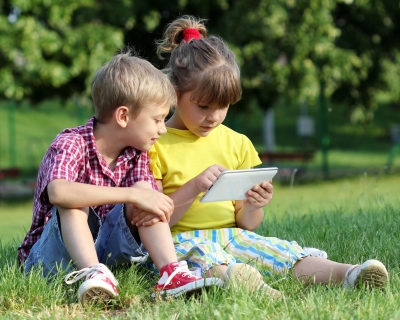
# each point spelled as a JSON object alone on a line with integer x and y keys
{"x": 205, "y": 249}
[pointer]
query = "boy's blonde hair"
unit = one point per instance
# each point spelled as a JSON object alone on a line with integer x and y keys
{"x": 129, "y": 81}
{"x": 206, "y": 66}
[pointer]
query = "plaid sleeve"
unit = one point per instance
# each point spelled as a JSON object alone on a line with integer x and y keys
{"x": 64, "y": 160}
{"x": 142, "y": 170}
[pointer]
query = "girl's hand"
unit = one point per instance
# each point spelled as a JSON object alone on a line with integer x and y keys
{"x": 259, "y": 196}
{"x": 205, "y": 179}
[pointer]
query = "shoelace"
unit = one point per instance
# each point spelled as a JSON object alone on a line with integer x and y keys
{"x": 97, "y": 270}
{"x": 183, "y": 268}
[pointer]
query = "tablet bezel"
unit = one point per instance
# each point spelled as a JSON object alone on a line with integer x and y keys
{"x": 226, "y": 187}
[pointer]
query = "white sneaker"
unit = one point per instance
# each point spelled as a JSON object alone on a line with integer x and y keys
{"x": 100, "y": 284}
{"x": 314, "y": 252}
{"x": 246, "y": 275}
{"x": 372, "y": 274}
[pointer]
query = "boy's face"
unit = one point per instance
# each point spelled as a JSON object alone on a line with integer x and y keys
{"x": 145, "y": 128}
{"x": 198, "y": 118}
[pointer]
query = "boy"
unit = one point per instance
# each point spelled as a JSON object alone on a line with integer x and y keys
{"x": 93, "y": 177}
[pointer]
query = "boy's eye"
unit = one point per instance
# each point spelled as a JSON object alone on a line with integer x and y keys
{"x": 203, "y": 107}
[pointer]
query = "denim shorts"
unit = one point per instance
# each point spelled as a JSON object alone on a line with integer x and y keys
{"x": 114, "y": 243}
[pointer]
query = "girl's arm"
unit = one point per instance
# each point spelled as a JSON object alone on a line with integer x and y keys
{"x": 183, "y": 198}
{"x": 249, "y": 213}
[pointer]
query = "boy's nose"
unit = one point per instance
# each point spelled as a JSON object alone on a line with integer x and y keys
{"x": 162, "y": 129}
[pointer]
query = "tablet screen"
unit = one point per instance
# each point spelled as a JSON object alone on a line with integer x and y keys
{"x": 233, "y": 184}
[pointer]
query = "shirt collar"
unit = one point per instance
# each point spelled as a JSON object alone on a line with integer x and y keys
{"x": 126, "y": 154}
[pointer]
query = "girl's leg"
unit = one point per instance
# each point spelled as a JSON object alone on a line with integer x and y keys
{"x": 372, "y": 273}
{"x": 317, "y": 270}
{"x": 206, "y": 249}
{"x": 271, "y": 255}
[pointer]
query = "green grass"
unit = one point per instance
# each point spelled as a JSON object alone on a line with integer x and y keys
{"x": 33, "y": 131}
{"x": 352, "y": 219}
{"x": 351, "y": 145}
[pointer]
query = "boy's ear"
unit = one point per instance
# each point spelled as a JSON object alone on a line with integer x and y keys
{"x": 122, "y": 116}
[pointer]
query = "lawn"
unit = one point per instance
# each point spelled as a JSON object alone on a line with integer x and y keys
{"x": 352, "y": 219}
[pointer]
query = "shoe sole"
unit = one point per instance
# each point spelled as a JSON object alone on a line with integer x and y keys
{"x": 190, "y": 287}
{"x": 94, "y": 293}
{"x": 373, "y": 276}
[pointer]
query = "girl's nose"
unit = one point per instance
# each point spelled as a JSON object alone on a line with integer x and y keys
{"x": 213, "y": 116}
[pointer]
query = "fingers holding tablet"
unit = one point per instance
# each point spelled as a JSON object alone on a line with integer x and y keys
{"x": 205, "y": 179}
{"x": 239, "y": 184}
{"x": 260, "y": 194}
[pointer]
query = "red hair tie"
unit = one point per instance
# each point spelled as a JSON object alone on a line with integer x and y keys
{"x": 191, "y": 33}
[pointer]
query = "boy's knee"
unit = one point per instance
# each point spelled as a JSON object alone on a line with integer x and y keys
{"x": 64, "y": 211}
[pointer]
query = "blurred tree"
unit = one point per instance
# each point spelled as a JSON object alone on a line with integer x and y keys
{"x": 371, "y": 29}
{"x": 288, "y": 47}
{"x": 285, "y": 47}
{"x": 52, "y": 48}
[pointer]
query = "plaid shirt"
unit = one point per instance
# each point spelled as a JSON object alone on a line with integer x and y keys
{"x": 73, "y": 156}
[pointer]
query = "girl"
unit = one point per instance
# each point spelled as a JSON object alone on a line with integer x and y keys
{"x": 218, "y": 237}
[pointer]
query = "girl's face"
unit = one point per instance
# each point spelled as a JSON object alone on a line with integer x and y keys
{"x": 196, "y": 117}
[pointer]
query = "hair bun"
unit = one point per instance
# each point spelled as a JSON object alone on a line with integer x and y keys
{"x": 191, "y": 33}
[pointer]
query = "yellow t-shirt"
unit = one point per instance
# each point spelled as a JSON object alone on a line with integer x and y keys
{"x": 179, "y": 156}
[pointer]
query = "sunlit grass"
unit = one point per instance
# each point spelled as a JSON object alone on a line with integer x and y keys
{"x": 350, "y": 236}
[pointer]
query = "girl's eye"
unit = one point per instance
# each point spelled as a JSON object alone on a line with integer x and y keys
{"x": 158, "y": 120}
{"x": 203, "y": 107}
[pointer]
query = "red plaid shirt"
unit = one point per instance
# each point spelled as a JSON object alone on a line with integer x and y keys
{"x": 73, "y": 156}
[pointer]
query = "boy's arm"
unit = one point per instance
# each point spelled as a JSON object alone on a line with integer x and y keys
{"x": 184, "y": 196}
{"x": 68, "y": 194}
{"x": 249, "y": 213}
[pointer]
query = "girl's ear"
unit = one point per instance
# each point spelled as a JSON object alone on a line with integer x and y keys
{"x": 122, "y": 116}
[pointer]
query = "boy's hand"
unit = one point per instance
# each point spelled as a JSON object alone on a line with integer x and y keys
{"x": 259, "y": 196}
{"x": 205, "y": 179}
{"x": 156, "y": 203}
{"x": 144, "y": 219}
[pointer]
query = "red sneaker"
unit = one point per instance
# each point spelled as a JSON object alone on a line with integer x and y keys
{"x": 176, "y": 279}
{"x": 99, "y": 285}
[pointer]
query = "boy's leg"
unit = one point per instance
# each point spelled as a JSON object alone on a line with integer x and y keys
{"x": 116, "y": 244}
{"x": 49, "y": 251}
{"x": 78, "y": 228}
{"x": 77, "y": 237}
{"x": 158, "y": 242}
{"x": 176, "y": 278}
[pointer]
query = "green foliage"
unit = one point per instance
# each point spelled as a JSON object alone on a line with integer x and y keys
{"x": 52, "y": 48}
{"x": 285, "y": 47}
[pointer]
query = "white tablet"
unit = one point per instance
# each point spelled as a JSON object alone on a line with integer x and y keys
{"x": 233, "y": 184}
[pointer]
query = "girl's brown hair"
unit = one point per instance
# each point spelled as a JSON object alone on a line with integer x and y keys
{"x": 206, "y": 66}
